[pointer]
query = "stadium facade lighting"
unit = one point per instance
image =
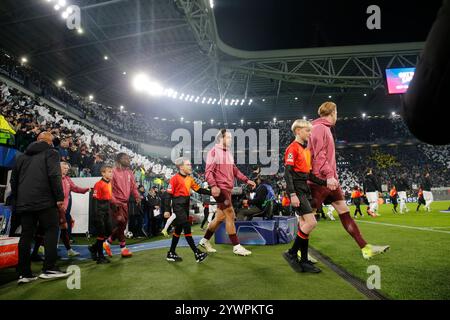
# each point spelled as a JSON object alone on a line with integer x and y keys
{"x": 24, "y": 59}
{"x": 91, "y": 97}
{"x": 365, "y": 94}
{"x": 263, "y": 100}
{"x": 250, "y": 102}
{"x": 274, "y": 119}
{"x": 304, "y": 117}
{"x": 80, "y": 31}
{"x": 329, "y": 97}
{"x": 59, "y": 83}
{"x": 106, "y": 57}
{"x": 296, "y": 98}
{"x": 364, "y": 115}
{"x": 212, "y": 121}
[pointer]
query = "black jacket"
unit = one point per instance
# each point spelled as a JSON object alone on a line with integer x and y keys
{"x": 371, "y": 184}
{"x": 36, "y": 178}
{"x": 426, "y": 184}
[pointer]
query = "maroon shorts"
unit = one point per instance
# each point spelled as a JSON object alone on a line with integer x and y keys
{"x": 323, "y": 195}
{"x": 224, "y": 199}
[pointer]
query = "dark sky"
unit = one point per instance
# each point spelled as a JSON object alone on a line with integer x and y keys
{"x": 283, "y": 24}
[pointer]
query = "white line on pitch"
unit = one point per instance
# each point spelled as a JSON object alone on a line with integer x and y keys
{"x": 406, "y": 227}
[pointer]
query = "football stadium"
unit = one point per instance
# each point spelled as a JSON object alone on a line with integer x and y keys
{"x": 225, "y": 150}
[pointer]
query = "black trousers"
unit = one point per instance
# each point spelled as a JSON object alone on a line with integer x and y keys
{"x": 205, "y": 216}
{"x": 48, "y": 220}
{"x": 247, "y": 214}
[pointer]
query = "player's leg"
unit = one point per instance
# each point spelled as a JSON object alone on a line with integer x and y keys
{"x": 219, "y": 217}
{"x": 104, "y": 227}
{"x": 372, "y": 199}
{"x": 304, "y": 224}
{"x": 168, "y": 223}
{"x": 368, "y": 250}
{"x": 429, "y": 200}
{"x": 171, "y": 255}
{"x": 199, "y": 256}
{"x": 307, "y": 223}
{"x": 402, "y": 201}
{"x": 330, "y": 212}
{"x": 122, "y": 220}
{"x": 230, "y": 228}
{"x": 205, "y": 217}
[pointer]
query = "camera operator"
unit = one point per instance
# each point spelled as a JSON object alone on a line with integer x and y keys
{"x": 264, "y": 194}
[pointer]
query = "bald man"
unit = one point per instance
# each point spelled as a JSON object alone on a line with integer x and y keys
{"x": 37, "y": 192}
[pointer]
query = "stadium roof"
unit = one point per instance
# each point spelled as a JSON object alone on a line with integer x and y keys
{"x": 216, "y": 52}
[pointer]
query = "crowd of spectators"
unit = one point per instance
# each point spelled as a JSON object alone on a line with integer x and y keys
{"x": 83, "y": 148}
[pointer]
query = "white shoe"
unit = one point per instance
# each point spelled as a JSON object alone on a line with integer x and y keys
{"x": 27, "y": 279}
{"x": 330, "y": 215}
{"x": 72, "y": 253}
{"x": 53, "y": 274}
{"x": 241, "y": 251}
{"x": 207, "y": 245}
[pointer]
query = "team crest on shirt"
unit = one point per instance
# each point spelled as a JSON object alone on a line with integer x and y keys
{"x": 290, "y": 156}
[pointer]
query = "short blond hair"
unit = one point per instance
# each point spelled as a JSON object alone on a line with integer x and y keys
{"x": 180, "y": 161}
{"x": 327, "y": 108}
{"x": 300, "y": 123}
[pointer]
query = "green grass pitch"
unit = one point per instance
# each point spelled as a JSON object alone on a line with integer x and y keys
{"x": 416, "y": 267}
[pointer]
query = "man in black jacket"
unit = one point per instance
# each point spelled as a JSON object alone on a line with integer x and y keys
{"x": 37, "y": 191}
{"x": 371, "y": 189}
{"x": 263, "y": 194}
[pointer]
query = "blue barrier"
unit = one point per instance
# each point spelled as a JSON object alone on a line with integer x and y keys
{"x": 261, "y": 232}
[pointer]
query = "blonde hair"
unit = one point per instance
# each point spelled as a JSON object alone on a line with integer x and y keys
{"x": 326, "y": 108}
{"x": 180, "y": 161}
{"x": 300, "y": 123}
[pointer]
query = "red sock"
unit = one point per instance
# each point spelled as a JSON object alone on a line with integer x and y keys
{"x": 208, "y": 234}
{"x": 234, "y": 239}
{"x": 352, "y": 229}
